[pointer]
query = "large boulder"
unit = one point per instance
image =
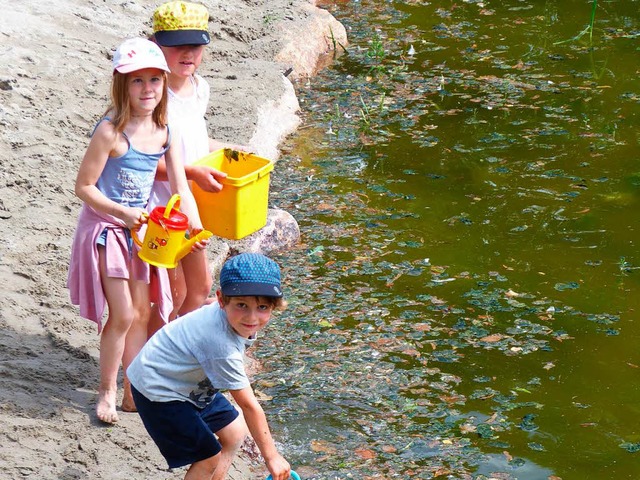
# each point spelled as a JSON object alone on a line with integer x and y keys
{"x": 279, "y": 234}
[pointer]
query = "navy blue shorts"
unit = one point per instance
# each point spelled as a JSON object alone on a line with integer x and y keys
{"x": 184, "y": 433}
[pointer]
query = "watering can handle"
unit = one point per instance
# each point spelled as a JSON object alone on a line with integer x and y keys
{"x": 174, "y": 201}
{"x": 186, "y": 247}
{"x": 294, "y": 476}
{"x": 134, "y": 234}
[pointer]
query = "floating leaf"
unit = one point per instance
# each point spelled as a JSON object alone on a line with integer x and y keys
{"x": 365, "y": 453}
{"x": 484, "y": 430}
{"x": 566, "y": 286}
{"x": 631, "y": 447}
{"x": 527, "y": 424}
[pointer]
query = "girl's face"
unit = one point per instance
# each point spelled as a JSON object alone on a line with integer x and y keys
{"x": 183, "y": 60}
{"x": 247, "y": 315}
{"x": 145, "y": 90}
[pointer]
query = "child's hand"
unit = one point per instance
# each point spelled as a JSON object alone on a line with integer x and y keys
{"x": 134, "y": 218}
{"x": 207, "y": 178}
{"x": 200, "y": 245}
{"x": 279, "y": 468}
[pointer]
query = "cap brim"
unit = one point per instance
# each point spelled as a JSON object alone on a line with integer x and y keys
{"x": 133, "y": 68}
{"x": 175, "y": 38}
{"x": 249, "y": 289}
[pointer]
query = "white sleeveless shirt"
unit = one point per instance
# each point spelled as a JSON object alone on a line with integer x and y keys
{"x": 186, "y": 118}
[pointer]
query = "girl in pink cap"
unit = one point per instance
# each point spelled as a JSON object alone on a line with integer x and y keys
{"x": 114, "y": 181}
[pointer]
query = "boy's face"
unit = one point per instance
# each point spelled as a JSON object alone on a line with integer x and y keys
{"x": 246, "y": 315}
{"x": 183, "y": 60}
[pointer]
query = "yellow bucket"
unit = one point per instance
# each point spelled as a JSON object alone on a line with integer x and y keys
{"x": 164, "y": 241}
{"x": 240, "y": 208}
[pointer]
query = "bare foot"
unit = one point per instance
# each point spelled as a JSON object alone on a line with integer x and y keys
{"x": 106, "y": 406}
{"x": 128, "y": 405}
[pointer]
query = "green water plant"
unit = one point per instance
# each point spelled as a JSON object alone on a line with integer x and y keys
{"x": 625, "y": 266}
{"x": 588, "y": 29}
{"x": 376, "y": 54}
{"x": 367, "y": 115}
{"x": 365, "y": 118}
{"x": 336, "y": 43}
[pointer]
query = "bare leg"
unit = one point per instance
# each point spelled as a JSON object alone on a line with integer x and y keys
{"x": 217, "y": 467}
{"x": 197, "y": 279}
{"x": 203, "y": 469}
{"x": 231, "y": 438}
{"x": 136, "y": 336}
{"x": 128, "y": 405}
{"x": 178, "y": 294}
{"x": 112, "y": 341}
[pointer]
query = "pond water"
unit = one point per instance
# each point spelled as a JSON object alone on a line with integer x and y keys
{"x": 464, "y": 301}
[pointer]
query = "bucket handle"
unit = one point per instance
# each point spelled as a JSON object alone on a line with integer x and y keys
{"x": 294, "y": 476}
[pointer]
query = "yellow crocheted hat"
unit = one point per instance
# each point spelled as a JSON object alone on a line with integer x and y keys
{"x": 181, "y": 23}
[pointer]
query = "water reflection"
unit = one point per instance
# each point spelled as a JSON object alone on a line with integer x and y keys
{"x": 520, "y": 468}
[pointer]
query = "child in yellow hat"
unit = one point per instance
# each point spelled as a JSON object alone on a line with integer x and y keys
{"x": 181, "y": 31}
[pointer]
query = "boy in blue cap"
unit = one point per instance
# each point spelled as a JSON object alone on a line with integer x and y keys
{"x": 177, "y": 377}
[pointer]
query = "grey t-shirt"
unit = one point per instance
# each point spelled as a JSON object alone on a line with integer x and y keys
{"x": 190, "y": 358}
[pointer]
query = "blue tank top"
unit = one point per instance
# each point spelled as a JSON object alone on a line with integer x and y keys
{"x": 128, "y": 179}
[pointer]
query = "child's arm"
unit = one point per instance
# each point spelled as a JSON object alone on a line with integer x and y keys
{"x": 207, "y": 178}
{"x": 178, "y": 181}
{"x": 102, "y": 144}
{"x": 257, "y": 423}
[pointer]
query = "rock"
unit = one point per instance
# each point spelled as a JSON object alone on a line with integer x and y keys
{"x": 279, "y": 234}
{"x": 276, "y": 120}
{"x": 322, "y": 34}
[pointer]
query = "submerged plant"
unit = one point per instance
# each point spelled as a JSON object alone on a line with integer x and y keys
{"x": 625, "y": 267}
{"x": 376, "y": 54}
{"x": 367, "y": 113}
{"x": 588, "y": 29}
{"x": 335, "y": 43}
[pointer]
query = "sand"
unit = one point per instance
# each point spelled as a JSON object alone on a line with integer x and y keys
{"x": 54, "y": 83}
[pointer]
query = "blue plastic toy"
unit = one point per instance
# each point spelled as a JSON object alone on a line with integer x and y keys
{"x": 294, "y": 476}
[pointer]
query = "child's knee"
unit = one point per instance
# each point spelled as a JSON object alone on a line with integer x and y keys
{"x": 143, "y": 312}
{"x": 198, "y": 291}
{"x": 202, "y": 291}
{"x": 232, "y": 436}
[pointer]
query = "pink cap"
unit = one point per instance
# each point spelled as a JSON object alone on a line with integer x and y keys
{"x": 138, "y": 53}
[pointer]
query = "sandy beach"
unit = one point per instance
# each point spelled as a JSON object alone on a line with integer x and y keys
{"x": 54, "y": 84}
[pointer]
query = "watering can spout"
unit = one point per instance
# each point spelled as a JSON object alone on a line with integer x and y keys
{"x": 188, "y": 244}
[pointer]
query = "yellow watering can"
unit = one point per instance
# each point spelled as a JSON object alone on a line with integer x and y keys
{"x": 164, "y": 242}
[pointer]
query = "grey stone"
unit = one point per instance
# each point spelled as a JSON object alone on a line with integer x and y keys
{"x": 279, "y": 234}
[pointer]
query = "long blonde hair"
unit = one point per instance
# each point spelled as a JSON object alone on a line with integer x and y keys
{"x": 120, "y": 109}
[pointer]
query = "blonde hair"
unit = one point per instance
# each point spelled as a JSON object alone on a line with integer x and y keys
{"x": 120, "y": 109}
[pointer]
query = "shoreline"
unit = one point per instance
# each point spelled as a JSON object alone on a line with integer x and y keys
{"x": 52, "y": 91}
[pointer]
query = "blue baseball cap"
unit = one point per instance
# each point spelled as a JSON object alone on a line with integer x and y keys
{"x": 250, "y": 274}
